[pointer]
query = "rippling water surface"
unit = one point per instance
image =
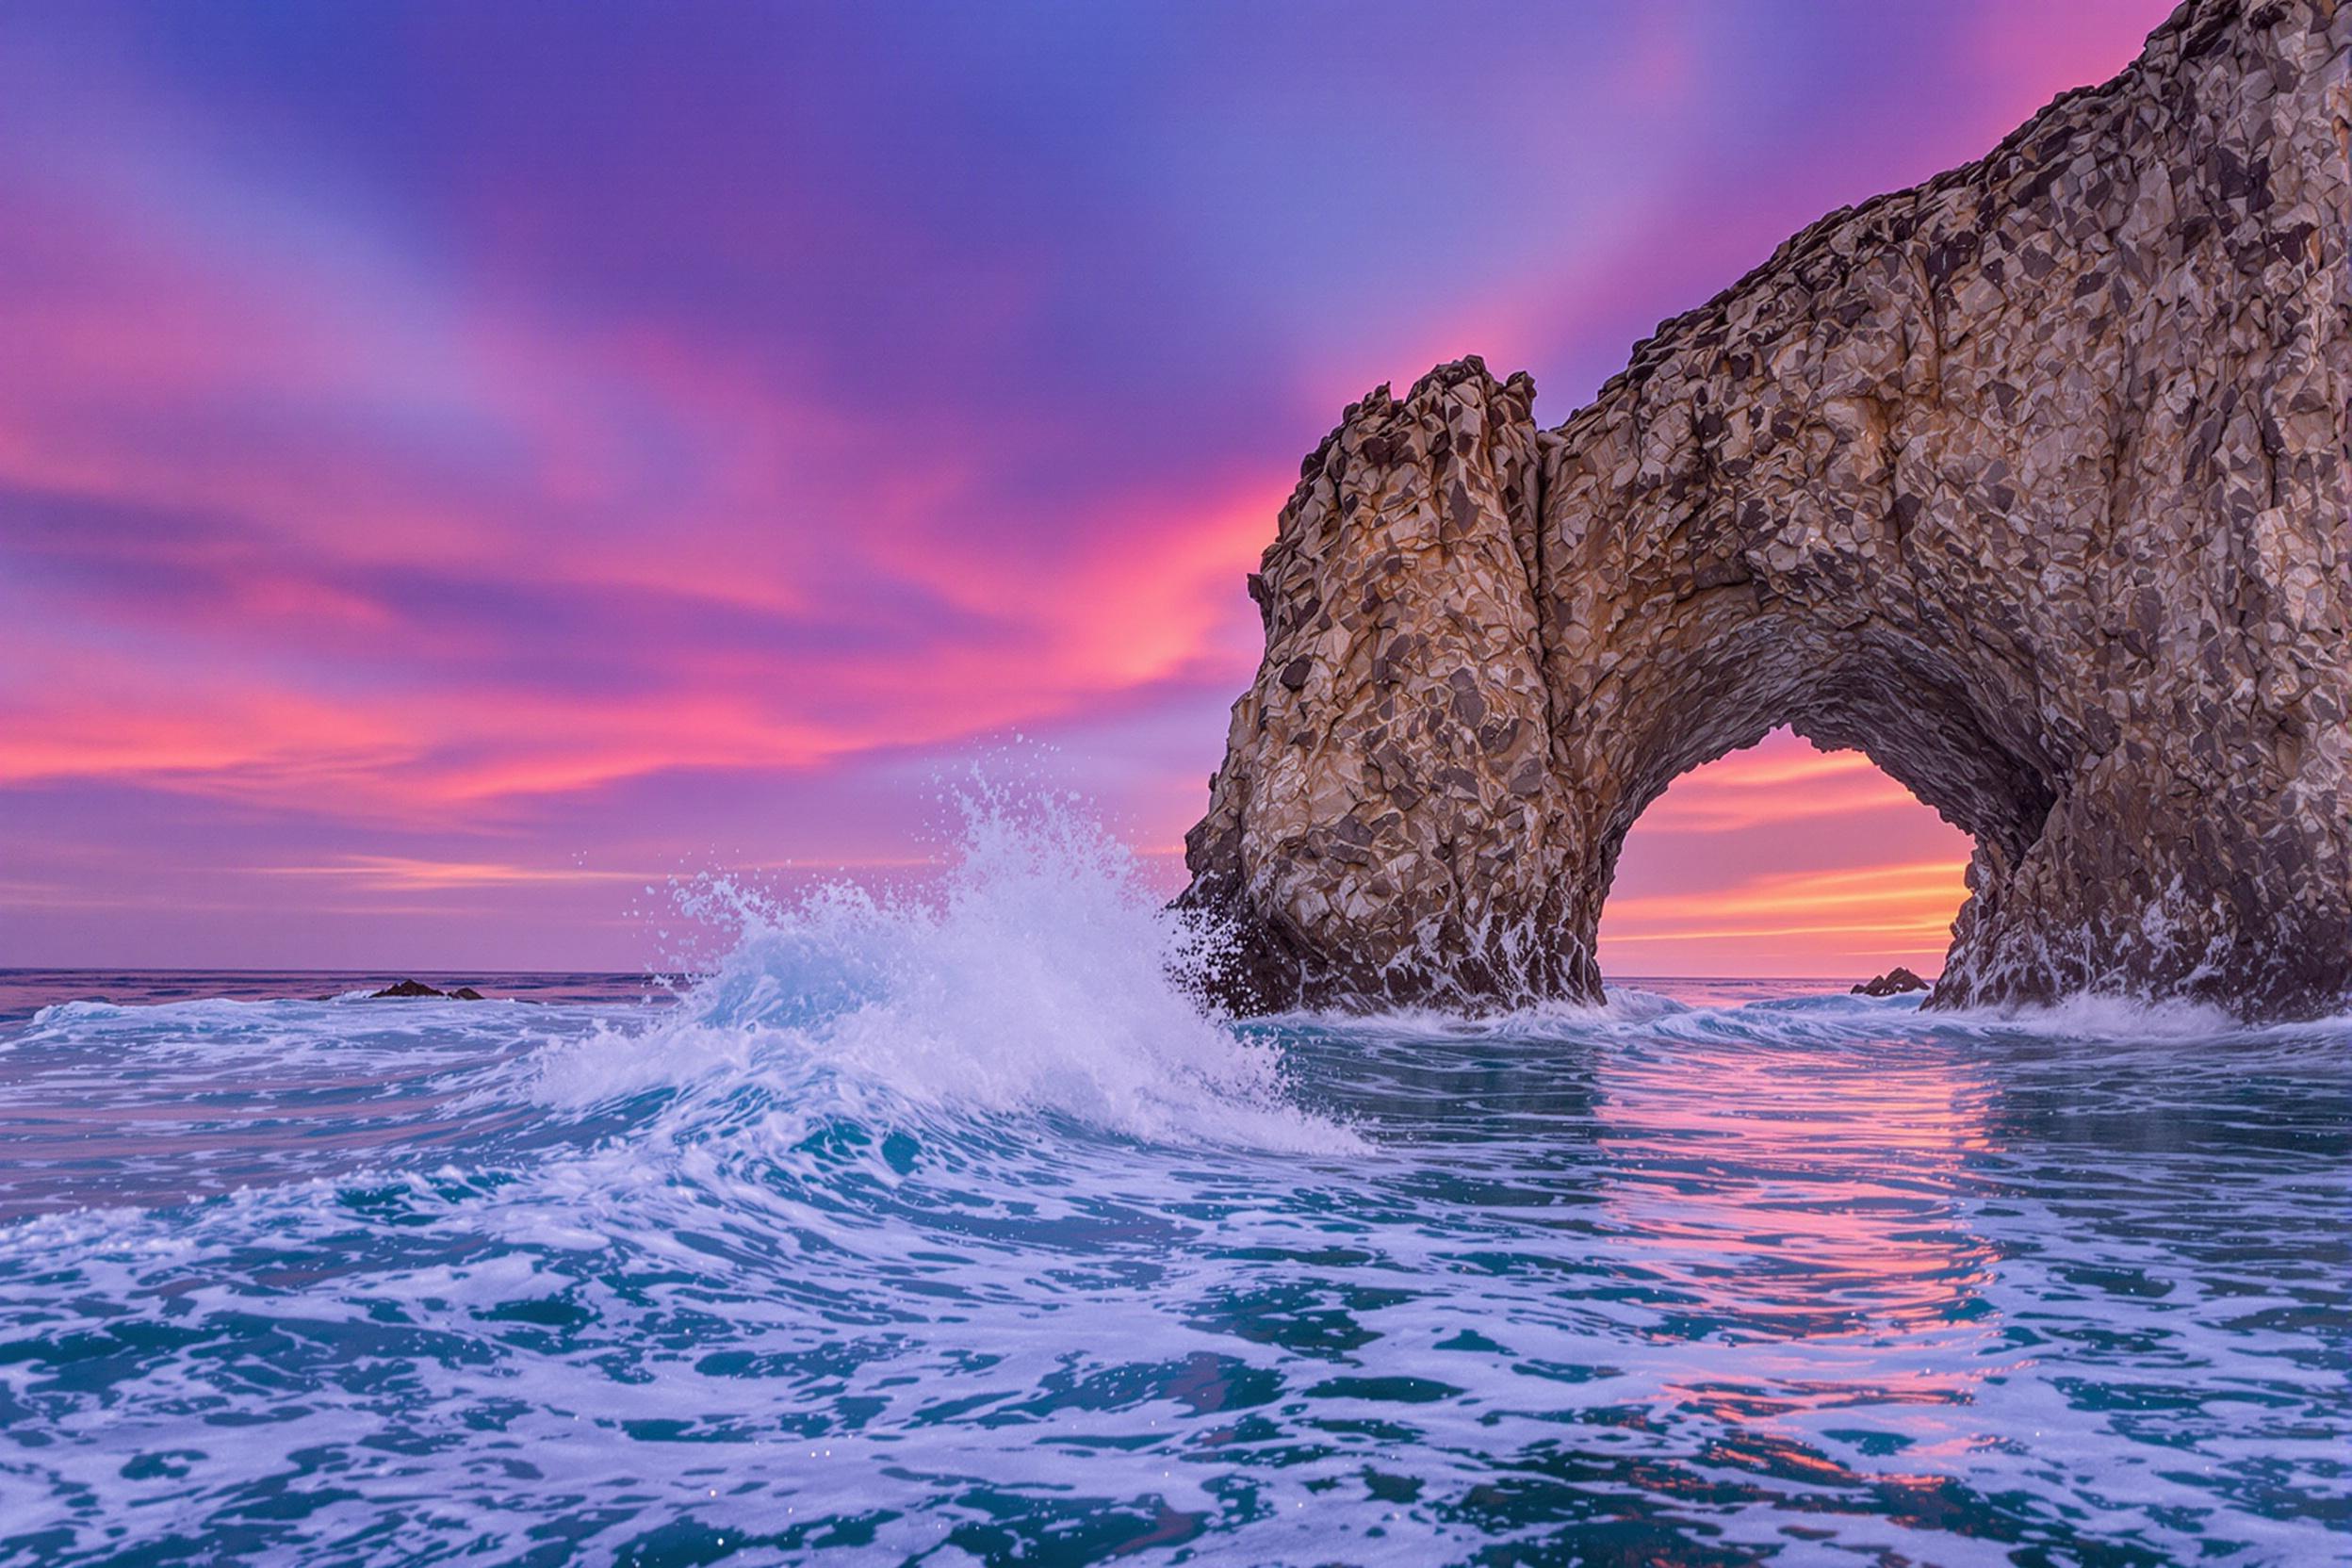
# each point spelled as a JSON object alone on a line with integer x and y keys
{"x": 955, "y": 1234}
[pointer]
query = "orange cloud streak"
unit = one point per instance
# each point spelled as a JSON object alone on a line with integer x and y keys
{"x": 1756, "y": 789}
{"x": 1909, "y": 904}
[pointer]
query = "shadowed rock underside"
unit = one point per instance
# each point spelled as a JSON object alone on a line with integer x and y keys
{"x": 2029, "y": 481}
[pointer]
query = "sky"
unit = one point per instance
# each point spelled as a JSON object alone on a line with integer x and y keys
{"x": 463, "y": 464}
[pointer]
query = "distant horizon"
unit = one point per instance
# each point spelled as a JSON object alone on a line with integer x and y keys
{"x": 396, "y": 972}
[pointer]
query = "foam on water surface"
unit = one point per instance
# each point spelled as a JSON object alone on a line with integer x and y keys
{"x": 943, "y": 1226}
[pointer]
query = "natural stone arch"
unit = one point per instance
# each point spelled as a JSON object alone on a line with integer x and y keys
{"x": 2029, "y": 481}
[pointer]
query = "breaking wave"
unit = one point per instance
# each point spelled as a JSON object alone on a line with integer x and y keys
{"x": 1038, "y": 975}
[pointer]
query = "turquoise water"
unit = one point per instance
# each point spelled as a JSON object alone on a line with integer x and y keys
{"x": 956, "y": 1233}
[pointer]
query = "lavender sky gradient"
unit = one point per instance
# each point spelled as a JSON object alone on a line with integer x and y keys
{"x": 460, "y": 462}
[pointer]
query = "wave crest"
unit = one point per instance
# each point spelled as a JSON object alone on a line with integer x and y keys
{"x": 1036, "y": 975}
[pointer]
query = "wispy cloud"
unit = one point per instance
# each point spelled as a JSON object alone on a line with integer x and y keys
{"x": 402, "y": 872}
{"x": 1915, "y": 900}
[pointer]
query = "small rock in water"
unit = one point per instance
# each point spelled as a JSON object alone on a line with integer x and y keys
{"x": 406, "y": 988}
{"x": 1893, "y": 982}
{"x": 464, "y": 993}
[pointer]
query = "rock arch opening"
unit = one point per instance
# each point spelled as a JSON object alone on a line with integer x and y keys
{"x": 1782, "y": 860}
{"x": 2029, "y": 481}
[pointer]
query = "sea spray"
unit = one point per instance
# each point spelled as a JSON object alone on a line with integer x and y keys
{"x": 1037, "y": 972}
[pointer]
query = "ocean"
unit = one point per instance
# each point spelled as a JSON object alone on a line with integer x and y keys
{"x": 948, "y": 1230}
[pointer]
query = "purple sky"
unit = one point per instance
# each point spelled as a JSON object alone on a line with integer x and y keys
{"x": 459, "y": 462}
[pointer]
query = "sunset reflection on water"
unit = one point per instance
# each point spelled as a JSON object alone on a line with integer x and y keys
{"x": 1801, "y": 1216}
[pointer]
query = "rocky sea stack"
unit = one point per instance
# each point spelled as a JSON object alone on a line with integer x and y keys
{"x": 402, "y": 989}
{"x": 1897, "y": 981}
{"x": 2030, "y": 482}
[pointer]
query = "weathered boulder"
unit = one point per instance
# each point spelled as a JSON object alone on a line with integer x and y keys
{"x": 409, "y": 989}
{"x": 403, "y": 989}
{"x": 1895, "y": 982}
{"x": 2030, "y": 482}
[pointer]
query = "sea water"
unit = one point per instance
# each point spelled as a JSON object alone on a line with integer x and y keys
{"x": 949, "y": 1229}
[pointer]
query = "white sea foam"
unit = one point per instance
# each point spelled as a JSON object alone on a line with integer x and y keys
{"x": 1533, "y": 1020}
{"x": 1036, "y": 975}
{"x": 2097, "y": 1016}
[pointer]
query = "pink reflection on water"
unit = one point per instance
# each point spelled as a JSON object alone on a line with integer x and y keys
{"x": 1806, "y": 1210}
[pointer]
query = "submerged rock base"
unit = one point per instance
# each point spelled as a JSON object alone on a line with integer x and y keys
{"x": 2029, "y": 481}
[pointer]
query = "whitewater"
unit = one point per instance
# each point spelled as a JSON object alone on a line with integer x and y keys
{"x": 948, "y": 1227}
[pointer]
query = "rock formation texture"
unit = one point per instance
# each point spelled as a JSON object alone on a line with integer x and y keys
{"x": 1897, "y": 981}
{"x": 2030, "y": 482}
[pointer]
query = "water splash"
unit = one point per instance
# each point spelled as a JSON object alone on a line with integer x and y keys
{"x": 1036, "y": 975}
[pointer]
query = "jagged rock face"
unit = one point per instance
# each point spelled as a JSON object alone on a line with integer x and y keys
{"x": 2030, "y": 482}
{"x": 1390, "y": 787}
